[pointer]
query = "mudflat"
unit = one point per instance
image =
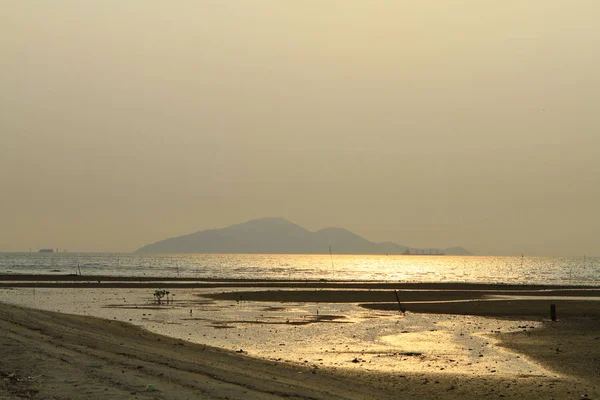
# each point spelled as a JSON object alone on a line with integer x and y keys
{"x": 49, "y": 355}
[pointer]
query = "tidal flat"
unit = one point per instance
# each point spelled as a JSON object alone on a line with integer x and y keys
{"x": 435, "y": 348}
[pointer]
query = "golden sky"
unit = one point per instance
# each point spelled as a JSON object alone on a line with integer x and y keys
{"x": 426, "y": 123}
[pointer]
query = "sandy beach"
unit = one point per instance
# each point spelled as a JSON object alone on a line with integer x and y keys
{"x": 454, "y": 341}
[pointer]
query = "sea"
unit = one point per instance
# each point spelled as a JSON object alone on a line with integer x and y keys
{"x": 385, "y": 268}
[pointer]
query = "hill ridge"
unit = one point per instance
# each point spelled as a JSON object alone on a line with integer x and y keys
{"x": 277, "y": 235}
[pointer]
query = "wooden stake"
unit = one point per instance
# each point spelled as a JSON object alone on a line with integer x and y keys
{"x": 400, "y": 307}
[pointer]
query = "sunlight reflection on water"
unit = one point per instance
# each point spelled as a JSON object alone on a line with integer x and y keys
{"x": 535, "y": 270}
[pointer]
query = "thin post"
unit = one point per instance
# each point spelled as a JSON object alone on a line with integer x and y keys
{"x": 553, "y": 312}
{"x": 331, "y": 256}
{"x": 400, "y": 307}
{"x": 522, "y": 258}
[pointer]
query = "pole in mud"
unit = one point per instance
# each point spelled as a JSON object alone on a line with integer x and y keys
{"x": 400, "y": 306}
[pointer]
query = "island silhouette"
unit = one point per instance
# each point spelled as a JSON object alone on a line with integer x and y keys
{"x": 279, "y": 236}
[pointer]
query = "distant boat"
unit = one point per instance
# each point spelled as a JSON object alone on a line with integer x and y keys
{"x": 46, "y": 251}
{"x": 419, "y": 252}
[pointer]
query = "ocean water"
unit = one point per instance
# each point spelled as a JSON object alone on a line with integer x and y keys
{"x": 393, "y": 268}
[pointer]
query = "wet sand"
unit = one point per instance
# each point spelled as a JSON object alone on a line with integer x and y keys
{"x": 52, "y": 355}
{"x": 56, "y": 355}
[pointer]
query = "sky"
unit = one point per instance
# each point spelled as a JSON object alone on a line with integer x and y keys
{"x": 427, "y": 123}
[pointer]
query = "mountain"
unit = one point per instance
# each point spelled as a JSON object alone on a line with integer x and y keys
{"x": 344, "y": 242}
{"x": 457, "y": 251}
{"x": 275, "y": 236}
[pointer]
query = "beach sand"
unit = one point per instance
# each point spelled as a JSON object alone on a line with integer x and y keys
{"x": 48, "y": 355}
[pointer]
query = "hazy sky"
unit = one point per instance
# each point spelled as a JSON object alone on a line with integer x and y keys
{"x": 429, "y": 123}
